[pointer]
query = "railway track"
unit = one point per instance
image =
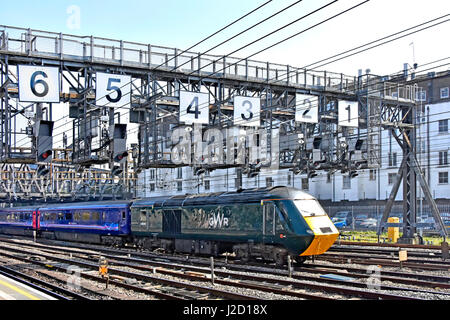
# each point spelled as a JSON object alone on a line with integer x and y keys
{"x": 305, "y": 283}
{"x": 419, "y": 257}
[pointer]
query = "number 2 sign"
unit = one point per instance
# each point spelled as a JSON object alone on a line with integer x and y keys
{"x": 38, "y": 84}
{"x": 113, "y": 90}
{"x": 306, "y": 108}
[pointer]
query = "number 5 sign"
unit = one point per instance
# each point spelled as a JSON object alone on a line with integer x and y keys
{"x": 247, "y": 111}
{"x": 38, "y": 84}
{"x": 113, "y": 90}
{"x": 194, "y": 107}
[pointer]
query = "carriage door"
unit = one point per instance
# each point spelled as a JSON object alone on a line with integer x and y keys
{"x": 35, "y": 218}
{"x": 268, "y": 220}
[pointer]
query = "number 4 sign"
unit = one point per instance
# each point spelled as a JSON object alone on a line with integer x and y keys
{"x": 38, "y": 84}
{"x": 194, "y": 107}
{"x": 348, "y": 113}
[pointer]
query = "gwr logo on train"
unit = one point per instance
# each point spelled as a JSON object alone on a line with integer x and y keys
{"x": 218, "y": 221}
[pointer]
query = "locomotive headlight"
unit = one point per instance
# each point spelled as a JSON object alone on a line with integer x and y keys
{"x": 310, "y": 232}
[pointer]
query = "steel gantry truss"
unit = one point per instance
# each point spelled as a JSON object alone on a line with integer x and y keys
{"x": 158, "y": 75}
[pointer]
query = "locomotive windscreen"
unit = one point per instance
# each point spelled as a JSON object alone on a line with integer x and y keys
{"x": 309, "y": 208}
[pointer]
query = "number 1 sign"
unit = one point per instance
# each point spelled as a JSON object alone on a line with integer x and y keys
{"x": 348, "y": 113}
{"x": 38, "y": 84}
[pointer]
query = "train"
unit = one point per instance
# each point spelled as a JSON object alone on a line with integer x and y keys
{"x": 267, "y": 223}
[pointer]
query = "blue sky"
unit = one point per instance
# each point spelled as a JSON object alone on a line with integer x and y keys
{"x": 181, "y": 23}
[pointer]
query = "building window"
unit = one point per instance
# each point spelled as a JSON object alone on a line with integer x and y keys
{"x": 421, "y": 95}
{"x": 372, "y": 175}
{"x": 152, "y": 174}
{"x": 346, "y": 182}
{"x": 444, "y": 93}
{"x": 289, "y": 178}
{"x": 305, "y": 184}
{"x": 443, "y": 158}
{"x": 391, "y": 178}
{"x": 152, "y": 187}
{"x": 443, "y": 126}
{"x": 269, "y": 182}
{"x": 179, "y": 173}
{"x": 443, "y": 177}
{"x": 180, "y": 186}
{"x": 392, "y": 159}
{"x": 207, "y": 185}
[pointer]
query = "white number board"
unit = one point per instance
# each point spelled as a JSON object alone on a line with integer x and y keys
{"x": 247, "y": 111}
{"x": 112, "y": 90}
{"x": 194, "y": 107}
{"x": 306, "y": 108}
{"x": 38, "y": 84}
{"x": 348, "y": 113}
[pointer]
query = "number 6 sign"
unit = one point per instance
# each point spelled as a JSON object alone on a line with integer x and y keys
{"x": 38, "y": 84}
{"x": 113, "y": 90}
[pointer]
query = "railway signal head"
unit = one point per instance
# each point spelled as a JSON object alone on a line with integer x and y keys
{"x": 116, "y": 170}
{"x": 42, "y": 157}
{"x": 118, "y": 142}
{"x": 44, "y": 141}
{"x": 42, "y": 170}
{"x": 120, "y": 156}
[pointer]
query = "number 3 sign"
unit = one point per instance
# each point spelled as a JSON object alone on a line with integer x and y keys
{"x": 247, "y": 111}
{"x": 38, "y": 84}
{"x": 112, "y": 90}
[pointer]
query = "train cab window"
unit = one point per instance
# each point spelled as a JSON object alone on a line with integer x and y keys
{"x": 309, "y": 207}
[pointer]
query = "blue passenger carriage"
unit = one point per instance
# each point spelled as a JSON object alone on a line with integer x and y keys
{"x": 17, "y": 221}
{"x": 95, "y": 222}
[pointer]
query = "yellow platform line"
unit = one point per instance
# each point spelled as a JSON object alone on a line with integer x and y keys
{"x": 18, "y": 290}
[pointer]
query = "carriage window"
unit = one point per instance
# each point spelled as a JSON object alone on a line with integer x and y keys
{"x": 86, "y": 216}
{"x": 124, "y": 215}
{"x": 143, "y": 216}
{"x": 95, "y": 216}
{"x": 69, "y": 216}
{"x": 60, "y": 216}
{"x": 77, "y": 216}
